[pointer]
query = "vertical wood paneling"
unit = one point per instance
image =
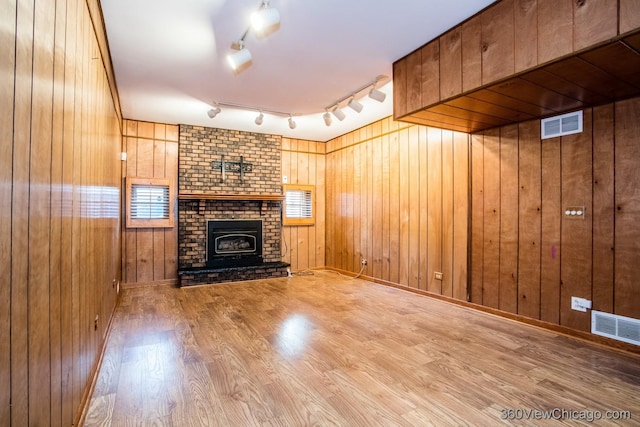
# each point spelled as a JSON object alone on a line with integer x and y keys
{"x": 477, "y": 219}
{"x": 434, "y": 219}
{"x": 529, "y": 220}
{"x": 150, "y": 255}
{"x": 303, "y": 162}
{"x": 359, "y": 188}
{"x": 627, "y": 200}
{"x": 526, "y": 34}
{"x": 386, "y": 178}
{"x": 508, "y": 292}
{"x": 460, "y": 215}
{"x": 550, "y": 283}
{"x": 491, "y": 215}
{"x": 603, "y": 208}
{"x": 424, "y": 208}
{"x": 594, "y": 22}
{"x": 20, "y": 221}
{"x": 7, "y": 87}
{"x": 498, "y": 42}
{"x": 55, "y": 272}
{"x": 576, "y": 261}
{"x": 400, "y": 88}
{"x": 414, "y": 207}
{"x": 555, "y": 29}
{"x": 405, "y": 196}
{"x": 410, "y": 205}
{"x": 430, "y": 87}
{"x": 376, "y": 189}
{"x": 414, "y": 81}
{"x": 450, "y": 64}
{"x": 40, "y": 216}
{"x": 560, "y": 257}
{"x": 394, "y": 208}
{"x": 629, "y": 15}
{"x": 471, "y": 46}
{"x": 447, "y": 212}
{"x": 59, "y": 157}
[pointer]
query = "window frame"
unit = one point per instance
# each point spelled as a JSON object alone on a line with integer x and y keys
{"x": 296, "y": 221}
{"x": 131, "y": 222}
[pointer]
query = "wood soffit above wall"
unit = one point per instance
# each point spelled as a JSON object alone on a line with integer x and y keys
{"x": 600, "y": 75}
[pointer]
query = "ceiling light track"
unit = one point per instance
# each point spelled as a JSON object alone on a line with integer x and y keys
{"x": 354, "y": 104}
{"x": 213, "y": 112}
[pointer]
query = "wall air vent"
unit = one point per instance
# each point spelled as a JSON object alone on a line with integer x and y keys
{"x": 617, "y": 327}
{"x": 565, "y": 124}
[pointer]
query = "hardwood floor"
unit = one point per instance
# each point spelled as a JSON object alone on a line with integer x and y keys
{"x": 327, "y": 350}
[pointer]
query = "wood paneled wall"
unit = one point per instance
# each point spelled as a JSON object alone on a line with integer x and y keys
{"x": 397, "y": 195}
{"x": 527, "y": 257}
{"x": 150, "y": 254}
{"x": 303, "y": 162}
{"x": 507, "y": 38}
{"x": 59, "y": 207}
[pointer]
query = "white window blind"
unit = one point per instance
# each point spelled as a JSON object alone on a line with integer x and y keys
{"x": 299, "y": 204}
{"x": 150, "y": 201}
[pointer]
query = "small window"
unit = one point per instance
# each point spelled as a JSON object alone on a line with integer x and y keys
{"x": 149, "y": 203}
{"x": 298, "y": 205}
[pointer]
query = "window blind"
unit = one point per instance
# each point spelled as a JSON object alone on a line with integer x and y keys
{"x": 149, "y": 201}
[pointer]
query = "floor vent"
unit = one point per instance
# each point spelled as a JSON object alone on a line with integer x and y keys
{"x": 566, "y": 124}
{"x": 617, "y": 327}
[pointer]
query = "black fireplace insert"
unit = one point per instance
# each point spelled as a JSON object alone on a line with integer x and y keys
{"x": 234, "y": 243}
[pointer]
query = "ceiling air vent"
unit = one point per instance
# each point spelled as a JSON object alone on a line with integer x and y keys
{"x": 565, "y": 124}
{"x": 617, "y": 327}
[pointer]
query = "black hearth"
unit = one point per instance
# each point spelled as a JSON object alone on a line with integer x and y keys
{"x": 234, "y": 243}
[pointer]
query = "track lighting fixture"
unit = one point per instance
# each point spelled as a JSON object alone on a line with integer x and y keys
{"x": 265, "y": 20}
{"x": 259, "y": 120}
{"x": 214, "y": 111}
{"x": 377, "y": 95}
{"x": 355, "y": 105}
{"x": 241, "y": 59}
{"x": 327, "y": 117}
{"x": 338, "y": 113}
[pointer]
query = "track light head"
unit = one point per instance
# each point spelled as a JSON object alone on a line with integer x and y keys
{"x": 214, "y": 111}
{"x": 377, "y": 95}
{"x": 240, "y": 60}
{"x": 259, "y": 119}
{"x": 327, "y": 118}
{"x": 355, "y": 105}
{"x": 292, "y": 123}
{"x": 266, "y": 20}
{"x": 338, "y": 113}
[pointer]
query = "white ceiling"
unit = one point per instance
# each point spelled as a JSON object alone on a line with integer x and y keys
{"x": 170, "y": 66}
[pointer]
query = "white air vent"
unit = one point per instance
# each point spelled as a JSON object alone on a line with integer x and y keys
{"x": 617, "y": 327}
{"x": 566, "y": 124}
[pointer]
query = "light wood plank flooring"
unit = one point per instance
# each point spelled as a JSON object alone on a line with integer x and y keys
{"x": 327, "y": 350}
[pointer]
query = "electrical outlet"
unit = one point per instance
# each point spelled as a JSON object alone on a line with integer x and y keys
{"x": 580, "y": 304}
{"x": 363, "y": 261}
{"x": 437, "y": 275}
{"x": 285, "y": 179}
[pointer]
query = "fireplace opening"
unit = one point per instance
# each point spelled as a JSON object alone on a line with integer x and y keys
{"x": 234, "y": 243}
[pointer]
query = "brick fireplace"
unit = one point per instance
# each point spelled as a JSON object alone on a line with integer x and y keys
{"x": 226, "y": 177}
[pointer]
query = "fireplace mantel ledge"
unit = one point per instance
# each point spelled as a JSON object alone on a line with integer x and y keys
{"x": 217, "y": 196}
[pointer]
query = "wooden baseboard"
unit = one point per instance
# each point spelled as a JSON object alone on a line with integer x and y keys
{"x": 85, "y": 402}
{"x": 572, "y": 333}
{"x": 167, "y": 282}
